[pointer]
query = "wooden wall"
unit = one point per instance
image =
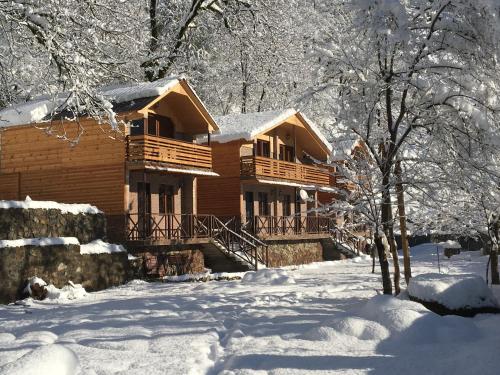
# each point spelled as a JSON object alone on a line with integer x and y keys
{"x": 48, "y": 168}
{"x": 221, "y": 195}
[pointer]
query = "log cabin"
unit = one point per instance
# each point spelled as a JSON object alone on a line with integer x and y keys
{"x": 267, "y": 174}
{"x": 142, "y": 173}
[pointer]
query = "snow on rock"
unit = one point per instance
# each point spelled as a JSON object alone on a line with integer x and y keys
{"x": 101, "y": 247}
{"x": 462, "y": 291}
{"x": 47, "y": 359}
{"x": 450, "y": 244}
{"x": 67, "y": 292}
{"x": 41, "y": 241}
{"x": 39, "y": 289}
{"x": 65, "y": 208}
{"x": 268, "y": 276}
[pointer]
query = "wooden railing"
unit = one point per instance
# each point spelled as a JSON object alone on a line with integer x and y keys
{"x": 291, "y": 225}
{"x": 268, "y": 167}
{"x": 166, "y": 150}
{"x": 226, "y": 234}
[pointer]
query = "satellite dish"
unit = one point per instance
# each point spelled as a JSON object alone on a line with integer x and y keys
{"x": 303, "y": 195}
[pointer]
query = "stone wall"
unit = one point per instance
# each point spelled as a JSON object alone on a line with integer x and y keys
{"x": 294, "y": 252}
{"x": 160, "y": 261}
{"x": 57, "y": 265}
{"x": 30, "y": 223}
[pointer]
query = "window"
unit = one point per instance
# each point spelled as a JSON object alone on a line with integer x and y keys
{"x": 160, "y": 126}
{"x": 287, "y": 205}
{"x": 166, "y": 199}
{"x": 263, "y": 148}
{"x": 137, "y": 127}
{"x": 287, "y": 153}
{"x": 263, "y": 204}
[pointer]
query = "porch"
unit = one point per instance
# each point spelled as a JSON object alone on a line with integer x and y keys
{"x": 171, "y": 228}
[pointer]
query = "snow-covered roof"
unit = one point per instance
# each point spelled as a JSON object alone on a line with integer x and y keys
{"x": 342, "y": 148}
{"x": 247, "y": 126}
{"x": 38, "y": 109}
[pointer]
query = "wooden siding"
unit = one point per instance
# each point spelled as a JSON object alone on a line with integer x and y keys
{"x": 92, "y": 171}
{"x": 258, "y": 166}
{"x": 156, "y": 149}
{"x": 219, "y": 196}
{"x": 9, "y": 186}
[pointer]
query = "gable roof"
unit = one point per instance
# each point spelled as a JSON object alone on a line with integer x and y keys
{"x": 248, "y": 126}
{"x": 124, "y": 97}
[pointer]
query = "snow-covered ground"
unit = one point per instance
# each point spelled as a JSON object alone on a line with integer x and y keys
{"x": 320, "y": 318}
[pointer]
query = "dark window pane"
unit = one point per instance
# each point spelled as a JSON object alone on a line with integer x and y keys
{"x": 263, "y": 148}
{"x": 152, "y": 125}
{"x": 137, "y": 127}
{"x": 263, "y": 204}
{"x": 165, "y": 127}
{"x": 166, "y": 199}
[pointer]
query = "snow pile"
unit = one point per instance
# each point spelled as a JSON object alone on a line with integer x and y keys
{"x": 393, "y": 323}
{"x": 450, "y": 244}
{"x": 47, "y": 359}
{"x": 204, "y": 276}
{"x": 67, "y": 292}
{"x": 42, "y": 241}
{"x": 101, "y": 247}
{"x": 268, "y": 276}
{"x": 65, "y": 208}
{"x": 39, "y": 289}
{"x": 463, "y": 291}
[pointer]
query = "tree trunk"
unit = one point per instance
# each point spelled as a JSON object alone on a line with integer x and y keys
{"x": 372, "y": 249}
{"x": 495, "y": 277}
{"x": 384, "y": 265}
{"x": 402, "y": 221}
{"x": 386, "y": 213}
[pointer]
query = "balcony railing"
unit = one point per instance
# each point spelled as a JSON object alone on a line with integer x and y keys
{"x": 291, "y": 225}
{"x": 142, "y": 148}
{"x": 259, "y": 166}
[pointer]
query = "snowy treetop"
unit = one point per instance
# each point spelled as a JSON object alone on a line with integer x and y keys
{"x": 249, "y": 125}
{"x": 38, "y": 109}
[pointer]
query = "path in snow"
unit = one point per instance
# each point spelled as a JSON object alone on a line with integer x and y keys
{"x": 234, "y": 327}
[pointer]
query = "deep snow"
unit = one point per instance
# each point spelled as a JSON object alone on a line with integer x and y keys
{"x": 330, "y": 320}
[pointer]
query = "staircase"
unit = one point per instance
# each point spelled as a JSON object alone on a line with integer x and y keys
{"x": 345, "y": 242}
{"x": 240, "y": 245}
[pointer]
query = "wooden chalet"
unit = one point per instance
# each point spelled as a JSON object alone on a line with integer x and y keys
{"x": 268, "y": 174}
{"x": 142, "y": 175}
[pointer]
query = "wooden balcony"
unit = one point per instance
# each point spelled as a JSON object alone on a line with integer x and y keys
{"x": 147, "y": 148}
{"x": 259, "y": 166}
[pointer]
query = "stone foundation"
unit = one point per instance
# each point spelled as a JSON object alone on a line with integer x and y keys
{"x": 57, "y": 265}
{"x": 173, "y": 260}
{"x": 293, "y": 252}
{"x": 30, "y": 223}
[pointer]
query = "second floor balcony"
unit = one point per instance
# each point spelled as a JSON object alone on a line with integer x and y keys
{"x": 147, "y": 148}
{"x": 261, "y": 166}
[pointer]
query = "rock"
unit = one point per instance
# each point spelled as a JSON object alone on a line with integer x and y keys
{"x": 36, "y": 288}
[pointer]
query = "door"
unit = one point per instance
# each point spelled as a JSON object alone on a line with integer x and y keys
{"x": 144, "y": 209}
{"x": 249, "y": 211}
